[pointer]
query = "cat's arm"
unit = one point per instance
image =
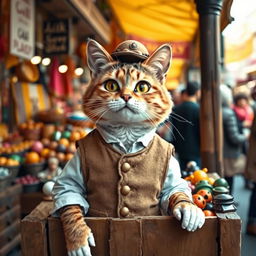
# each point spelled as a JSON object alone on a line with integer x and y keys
{"x": 176, "y": 199}
{"x": 69, "y": 195}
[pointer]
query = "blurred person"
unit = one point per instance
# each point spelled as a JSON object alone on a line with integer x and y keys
{"x": 185, "y": 127}
{"x": 244, "y": 111}
{"x": 250, "y": 172}
{"x": 233, "y": 140}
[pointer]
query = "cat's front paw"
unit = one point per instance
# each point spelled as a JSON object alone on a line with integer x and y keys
{"x": 85, "y": 250}
{"x": 192, "y": 216}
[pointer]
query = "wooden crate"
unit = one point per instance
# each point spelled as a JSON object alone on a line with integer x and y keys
{"x": 10, "y": 218}
{"x": 147, "y": 236}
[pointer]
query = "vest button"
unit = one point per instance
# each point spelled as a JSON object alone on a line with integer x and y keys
{"x": 124, "y": 211}
{"x": 125, "y": 190}
{"x": 126, "y": 167}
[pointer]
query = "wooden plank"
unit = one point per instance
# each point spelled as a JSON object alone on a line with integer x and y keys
{"x": 125, "y": 237}
{"x": 9, "y": 216}
{"x": 10, "y": 197}
{"x": 7, "y": 234}
{"x": 230, "y": 234}
{"x": 164, "y": 236}
{"x": 11, "y": 245}
{"x": 33, "y": 231}
{"x": 101, "y": 233}
{"x": 100, "y": 229}
{"x": 57, "y": 245}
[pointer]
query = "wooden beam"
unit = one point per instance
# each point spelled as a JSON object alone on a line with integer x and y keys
{"x": 210, "y": 110}
{"x": 89, "y": 11}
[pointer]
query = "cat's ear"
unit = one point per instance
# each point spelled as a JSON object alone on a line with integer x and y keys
{"x": 160, "y": 60}
{"x": 97, "y": 56}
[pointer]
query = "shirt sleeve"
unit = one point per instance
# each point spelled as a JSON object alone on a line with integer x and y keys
{"x": 172, "y": 184}
{"x": 69, "y": 188}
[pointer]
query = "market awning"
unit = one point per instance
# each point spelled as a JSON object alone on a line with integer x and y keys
{"x": 157, "y": 22}
{"x": 154, "y": 22}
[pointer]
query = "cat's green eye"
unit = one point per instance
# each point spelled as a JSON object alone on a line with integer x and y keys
{"x": 142, "y": 87}
{"x": 111, "y": 86}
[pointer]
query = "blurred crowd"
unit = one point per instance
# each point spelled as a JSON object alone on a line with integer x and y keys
{"x": 182, "y": 129}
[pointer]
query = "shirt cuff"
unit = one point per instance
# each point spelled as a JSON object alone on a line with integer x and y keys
{"x": 69, "y": 200}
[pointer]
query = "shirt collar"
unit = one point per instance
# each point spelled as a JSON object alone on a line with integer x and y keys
{"x": 111, "y": 139}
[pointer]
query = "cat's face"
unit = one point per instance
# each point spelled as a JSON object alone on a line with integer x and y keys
{"x": 127, "y": 93}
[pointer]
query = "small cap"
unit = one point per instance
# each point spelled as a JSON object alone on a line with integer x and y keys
{"x": 130, "y": 51}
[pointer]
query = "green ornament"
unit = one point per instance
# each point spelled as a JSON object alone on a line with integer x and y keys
{"x": 203, "y": 184}
{"x": 66, "y": 134}
{"x": 16, "y": 157}
{"x": 220, "y": 190}
{"x": 221, "y": 182}
{"x": 56, "y": 135}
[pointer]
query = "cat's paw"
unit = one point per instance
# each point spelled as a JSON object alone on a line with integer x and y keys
{"x": 191, "y": 216}
{"x": 85, "y": 250}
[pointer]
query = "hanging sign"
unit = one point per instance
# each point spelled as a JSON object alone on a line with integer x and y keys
{"x": 22, "y": 28}
{"x": 56, "y": 37}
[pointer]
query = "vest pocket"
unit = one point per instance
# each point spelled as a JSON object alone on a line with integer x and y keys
{"x": 96, "y": 213}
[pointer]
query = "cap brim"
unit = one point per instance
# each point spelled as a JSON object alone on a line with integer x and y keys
{"x": 128, "y": 57}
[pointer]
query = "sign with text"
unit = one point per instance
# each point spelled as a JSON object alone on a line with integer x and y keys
{"x": 56, "y": 37}
{"x": 22, "y": 28}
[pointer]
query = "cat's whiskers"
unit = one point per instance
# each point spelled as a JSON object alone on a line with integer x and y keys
{"x": 103, "y": 113}
{"x": 180, "y": 118}
{"x": 168, "y": 121}
{"x": 150, "y": 119}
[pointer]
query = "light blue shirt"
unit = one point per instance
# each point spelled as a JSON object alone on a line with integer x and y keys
{"x": 70, "y": 188}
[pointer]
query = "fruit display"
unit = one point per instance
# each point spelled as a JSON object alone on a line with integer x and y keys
{"x": 27, "y": 152}
{"x": 30, "y": 183}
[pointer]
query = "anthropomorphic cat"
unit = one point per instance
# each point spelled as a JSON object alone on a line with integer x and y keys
{"x": 123, "y": 168}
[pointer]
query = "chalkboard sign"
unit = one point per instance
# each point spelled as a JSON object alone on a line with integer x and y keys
{"x": 56, "y": 37}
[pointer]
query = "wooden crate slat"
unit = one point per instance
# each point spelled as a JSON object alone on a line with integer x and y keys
{"x": 33, "y": 231}
{"x": 11, "y": 245}
{"x": 101, "y": 232}
{"x": 230, "y": 240}
{"x": 164, "y": 236}
{"x": 9, "y": 217}
{"x": 7, "y": 234}
{"x": 125, "y": 237}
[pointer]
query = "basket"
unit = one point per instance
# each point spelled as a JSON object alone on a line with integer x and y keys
{"x": 83, "y": 123}
{"x": 33, "y": 187}
{"x": 5, "y": 181}
{"x": 14, "y": 170}
{"x": 30, "y": 134}
{"x": 33, "y": 169}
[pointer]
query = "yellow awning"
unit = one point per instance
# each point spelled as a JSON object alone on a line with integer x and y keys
{"x": 154, "y": 22}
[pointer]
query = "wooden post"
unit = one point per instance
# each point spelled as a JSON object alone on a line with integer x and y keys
{"x": 210, "y": 113}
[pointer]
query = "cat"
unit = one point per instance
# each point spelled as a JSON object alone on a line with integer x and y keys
{"x": 126, "y": 169}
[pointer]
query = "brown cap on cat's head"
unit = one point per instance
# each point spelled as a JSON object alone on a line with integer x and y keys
{"x": 130, "y": 51}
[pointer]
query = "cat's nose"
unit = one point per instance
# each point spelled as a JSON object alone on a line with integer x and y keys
{"x": 126, "y": 97}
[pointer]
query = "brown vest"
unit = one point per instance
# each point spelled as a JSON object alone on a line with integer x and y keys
{"x": 123, "y": 185}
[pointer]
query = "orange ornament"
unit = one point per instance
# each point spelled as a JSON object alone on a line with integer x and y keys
{"x": 75, "y": 135}
{"x": 32, "y": 158}
{"x": 3, "y": 160}
{"x": 64, "y": 142}
{"x": 199, "y": 201}
{"x": 45, "y": 152}
{"x": 68, "y": 156}
{"x": 207, "y": 195}
{"x": 209, "y": 213}
{"x": 200, "y": 175}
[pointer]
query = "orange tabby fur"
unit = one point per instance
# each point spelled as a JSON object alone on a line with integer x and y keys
{"x": 75, "y": 229}
{"x": 95, "y": 99}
